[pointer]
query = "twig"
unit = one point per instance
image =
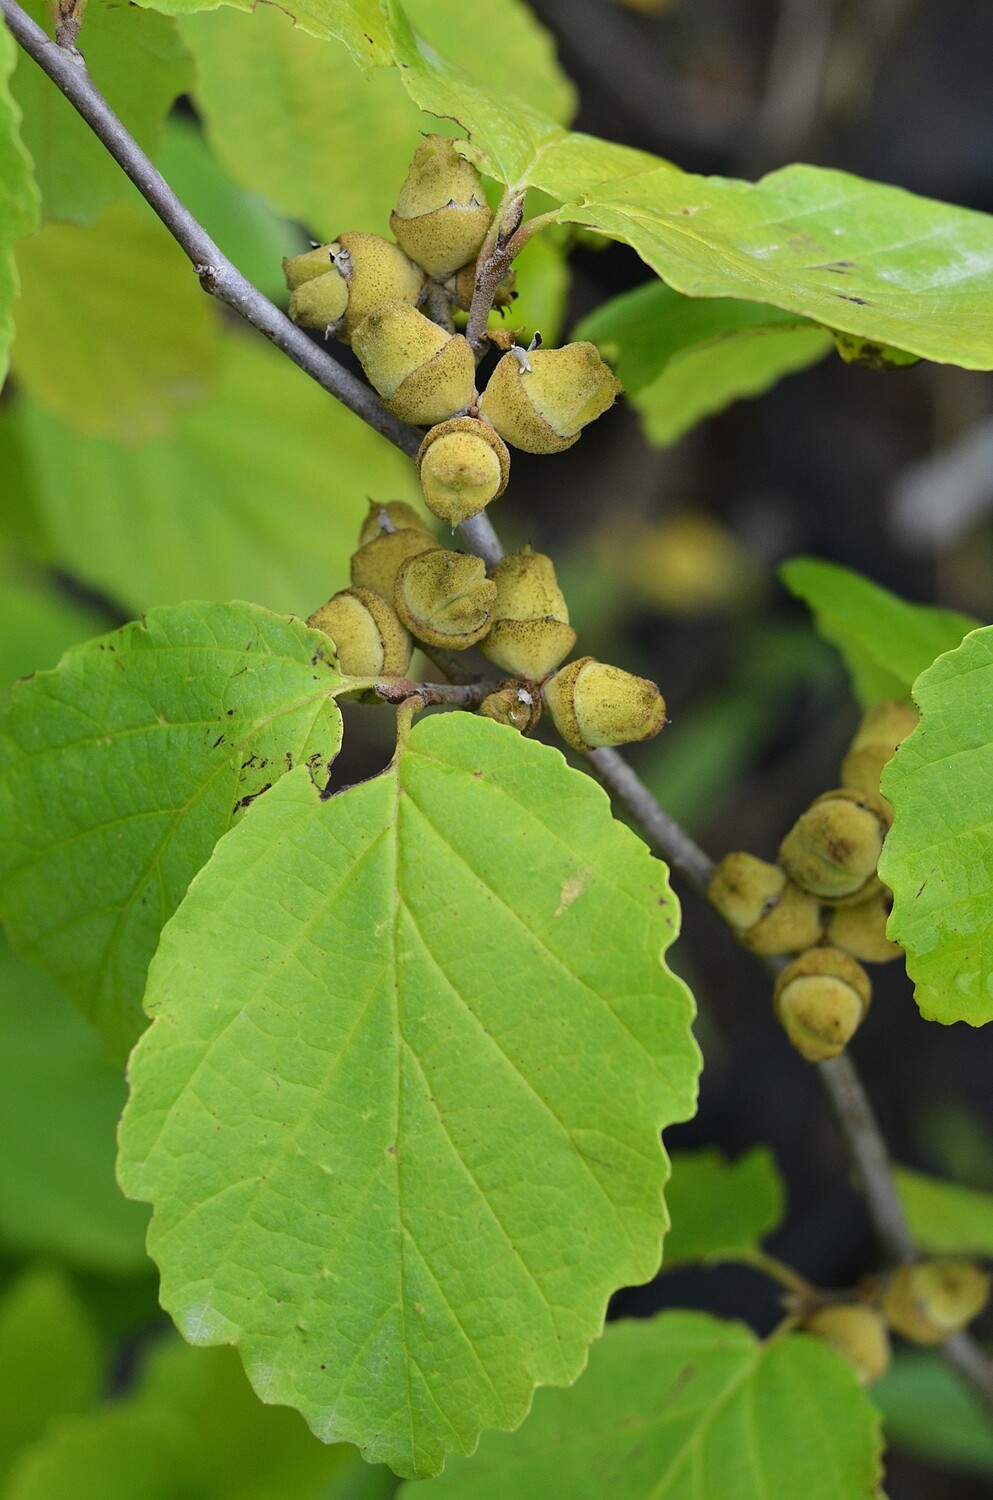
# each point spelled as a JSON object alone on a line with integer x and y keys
{"x": 462, "y": 695}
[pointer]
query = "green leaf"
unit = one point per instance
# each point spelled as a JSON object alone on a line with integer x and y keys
{"x": 944, "y": 1217}
{"x": 61, "y": 1103}
{"x": 50, "y": 1357}
{"x": 259, "y": 494}
{"x": 358, "y": 23}
{"x": 928, "y": 1410}
{"x": 399, "y": 1107}
{"x": 683, "y": 1407}
{"x": 139, "y": 64}
{"x": 681, "y": 359}
{"x": 123, "y": 767}
{"x": 18, "y": 194}
{"x": 936, "y": 856}
{"x": 719, "y": 1206}
{"x": 885, "y": 641}
{"x": 136, "y": 337}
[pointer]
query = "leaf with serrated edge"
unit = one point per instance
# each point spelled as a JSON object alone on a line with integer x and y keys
{"x": 122, "y": 768}
{"x": 357, "y": 23}
{"x": 687, "y": 1407}
{"x": 719, "y": 1206}
{"x": 885, "y": 640}
{"x": 399, "y": 1107}
{"x": 938, "y": 856}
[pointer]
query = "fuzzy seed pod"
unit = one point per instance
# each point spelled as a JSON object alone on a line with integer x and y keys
{"x": 930, "y": 1301}
{"x": 861, "y": 929}
{"x": 821, "y": 999}
{"x": 335, "y": 286}
{"x": 395, "y": 515}
{"x": 540, "y": 400}
{"x": 441, "y": 216}
{"x": 768, "y": 913}
{"x": 833, "y": 848}
{"x": 370, "y": 640}
{"x": 375, "y": 566}
{"x": 593, "y": 704}
{"x": 516, "y": 704}
{"x": 530, "y": 633}
{"x": 856, "y": 1332}
{"x": 463, "y": 465}
{"x": 882, "y": 730}
{"x": 423, "y": 374}
{"x": 445, "y": 598}
{"x": 320, "y": 302}
{"x": 307, "y": 267}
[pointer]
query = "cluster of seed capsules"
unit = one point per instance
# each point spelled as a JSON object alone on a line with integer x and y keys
{"x": 824, "y": 900}
{"x": 368, "y": 292}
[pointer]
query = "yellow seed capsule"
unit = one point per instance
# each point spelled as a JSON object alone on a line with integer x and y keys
{"x": 516, "y": 704}
{"x": 463, "y": 465}
{"x": 593, "y": 704}
{"x": 821, "y": 999}
{"x": 856, "y": 1332}
{"x": 444, "y": 598}
{"x": 833, "y": 848}
{"x": 320, "y": 302}
{"x": 882, "y": 730}
{"x": 375, "y": 565}
{"x": 934, "y": 1299}
{"x": 539, "y": 400}
{"x": 530, "y": 634}
{"x": 861, "y": 930}
{"x": 441, "y": 216}
{"x": 423, "y": 374}
{"x": 376, "y": 271}
{"x": 768, "y": 913}
{"x": 394, "y": 515}
{"x": 312, "y": 263}
{"x": 367, "y": 633}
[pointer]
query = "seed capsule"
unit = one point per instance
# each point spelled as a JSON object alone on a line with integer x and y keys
{"x": 768, "y": 913}
{"x": 349, "y": 278}
{"x": 516, "y": 704}
{"x": 884, "y": 728}
{"x": 395, "y": 515}
{"x": 833, "y": 848}
{"x": 375, "y": 566}
{"x": 369, "y": 637}
{"x": 307, "y": 267}
{"x": 463, "y": 465}
{"x": 530, "y": 634}
{"x": 861, "y": 930}
{"x": 593, "y": 704}
{"x": 423, "y": 374}
{"x": 540, "y": 400}
{"x": 441, "y": 216}
{"x": 445, "y": 598}
{"x": 934, "y": 1299}
{"x": 856, "y": 1332}
{"x": 821, "y": 999}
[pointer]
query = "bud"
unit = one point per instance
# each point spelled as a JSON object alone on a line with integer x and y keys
{"x": 445, "y": 598}
{"x": 306, "y": 267}
{"x": 934, "y": 1299}
{"x": 319, "y": 301}
{"x": 530, "y": 633}
{"x": 441, "y": 215}
{"x": 876, "y": 740}
{"x": 395, "y": 515}
{"x": 335, "y": 286}
{"x": 539, "y": 400}
{"x": 593, "y": 704}
{"x": 369, "y": 638}
{"x": 861, "y": 929}
{"x": 375, "y": 566}
{"x": 857, "y": 1333}
{"x": 423, "y": 374}
{"x": 768, "y": 913}
{"x": 516, "y": 704}
{"x": 833, "y": 848}
{"x": 821, "y": 999}
{"x": 463, "y": 465}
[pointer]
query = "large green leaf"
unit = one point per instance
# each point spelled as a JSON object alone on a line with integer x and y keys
{"x": 944, "y": 1217}
{"x": 18, "y": 194}
{"x": 928, "y": 1409}
{"x": 136, "y": 337}
{"x": 259, "y": 494}
{"x": 938, "y": 856}
{"x": 61, "y": 1103}
{"x": 399, "y": 1106}
{"x": 139, "y": 64}
{"x": 360, "y": 24}
{"x": 686, "y": 1407}
{"x": 50, "y": 1358}
{"x": 122, "y": 768}
{"x": 886, "y": 642}
{"x": 681, "y": 359}
{"x": 719, "y": 1206}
